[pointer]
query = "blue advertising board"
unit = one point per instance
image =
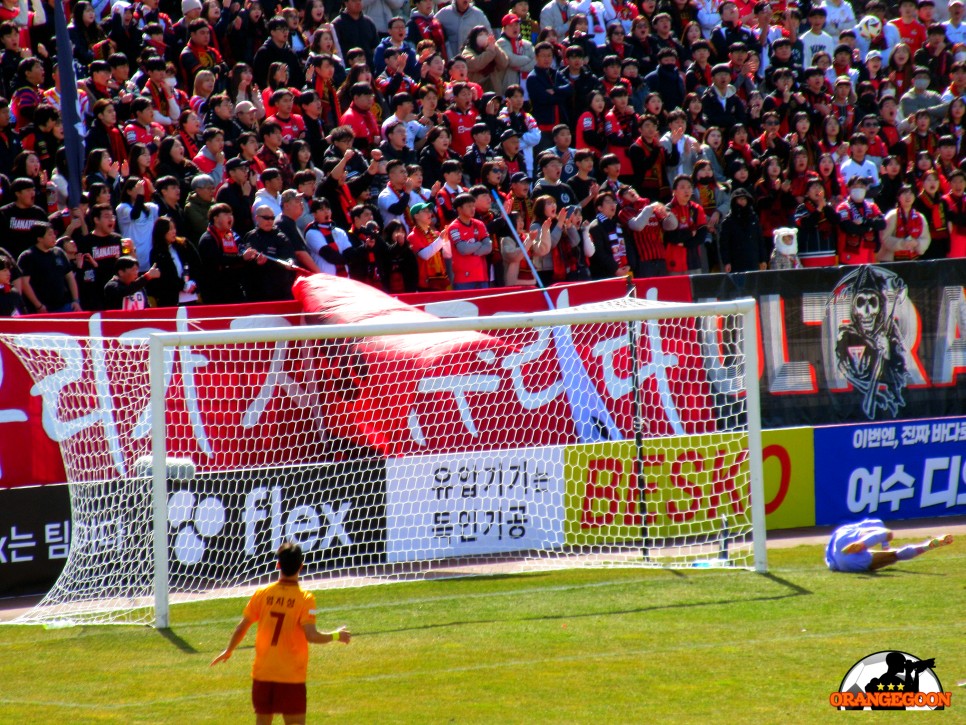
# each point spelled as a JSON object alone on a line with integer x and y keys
{"x": 899, "y": 470}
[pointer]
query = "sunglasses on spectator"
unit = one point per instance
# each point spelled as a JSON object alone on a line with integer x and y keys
{"x": 270, "y": 218}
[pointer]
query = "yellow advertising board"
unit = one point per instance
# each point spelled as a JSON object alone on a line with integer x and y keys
{"x": 684, "y": 486}
{"x": 670, "y": 487}
{"x": 789, "y": 464}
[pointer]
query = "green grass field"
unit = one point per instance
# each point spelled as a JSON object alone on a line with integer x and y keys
{"x": 584, "y": 646}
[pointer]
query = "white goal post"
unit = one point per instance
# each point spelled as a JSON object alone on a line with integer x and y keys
{"x": 624, "y": 433}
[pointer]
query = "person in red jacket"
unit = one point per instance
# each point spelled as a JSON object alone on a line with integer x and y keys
{"x": 461, "y": 117}
{"x": 860, "y": 223}
{"x": 471, "y": 245}
{"x": 291, "y": 123}
{"x": 142, "y": 128}
{"x": 684, "y": 247}
{"x": 360, "y": 118}
{"x": 955, "y": 202}
{"x": 621, "y": 130}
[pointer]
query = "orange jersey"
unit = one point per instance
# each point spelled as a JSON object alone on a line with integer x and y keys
{"x": 281, "y": 649}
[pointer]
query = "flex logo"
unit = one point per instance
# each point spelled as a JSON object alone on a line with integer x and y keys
{"x": 195, "y": 519}
{"x": 269, "y": 518}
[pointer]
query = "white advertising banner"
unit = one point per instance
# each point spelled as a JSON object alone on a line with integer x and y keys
{"x": 483, "y": 502}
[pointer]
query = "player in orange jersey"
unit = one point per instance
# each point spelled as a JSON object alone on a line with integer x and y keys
{"x": 285, "y": 615}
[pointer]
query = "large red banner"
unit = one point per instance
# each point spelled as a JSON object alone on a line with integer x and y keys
{"x": 75, "y": 388}
{"x": 432, "y": 392}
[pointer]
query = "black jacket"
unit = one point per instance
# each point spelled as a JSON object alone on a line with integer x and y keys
{"x": 816, "y": 230}
{"x": 668, "y": 83}
{"x": 222, "y": 278}
{"x": 166, "y": 288}
{"x": 432, "y": 165}
{"x": 741, "y": 242}
{"x": 723, "y": 116}
{"x": 605, "y": 233}
{"x": 583, "y": 86}
{"x": 270, "y": 53}
{"x": 268, "y": 281}
{"x": 241, "y": 206}
{"x": 359, "y": 33}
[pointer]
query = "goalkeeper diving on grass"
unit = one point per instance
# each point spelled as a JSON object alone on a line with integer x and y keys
{"x": 285, "y": 615}
{"x": 850, "y": 548}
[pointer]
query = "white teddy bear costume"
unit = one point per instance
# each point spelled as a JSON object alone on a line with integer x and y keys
{"x": 785, "y": 253}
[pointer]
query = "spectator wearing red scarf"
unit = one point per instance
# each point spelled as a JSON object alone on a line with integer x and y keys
{"x": 740, "y": 150}
{"x": 360, "y": 118}
{"x": 906, "y": 233}
{"x": 198, "y": 54}
{"x": 222, "y": 260}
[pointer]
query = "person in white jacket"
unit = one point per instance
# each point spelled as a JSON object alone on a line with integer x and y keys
{"x": 906, "y": 234}
{"x": 519, "y": 124}
{"x": 326, "y": 252}
{"x": 890, "y": 31}
{"x": 557, "y": 14}
{"x": 136, "y": 217}
{"x": 599, "y": 16}
{"x": 689, "y": 148}
{"x": 816, "y": 39}
{"x": 270, "y": 194}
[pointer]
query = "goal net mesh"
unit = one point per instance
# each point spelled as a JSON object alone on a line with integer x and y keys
{"x": 399, "y": 457}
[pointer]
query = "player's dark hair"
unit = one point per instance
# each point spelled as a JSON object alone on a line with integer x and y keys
{"x": 100, "y": 209}
{"x": 290, "y": 558}
{"x": 342, "y": 133}
{"x": 609, "y": 160}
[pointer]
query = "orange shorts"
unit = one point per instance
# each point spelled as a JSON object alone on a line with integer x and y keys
{"x": 286, "y": 698}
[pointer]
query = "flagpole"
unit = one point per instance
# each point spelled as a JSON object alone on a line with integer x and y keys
{"x": 74, "y": 128}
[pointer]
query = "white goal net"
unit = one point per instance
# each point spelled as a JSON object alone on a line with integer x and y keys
{"x": 620, "y": 434}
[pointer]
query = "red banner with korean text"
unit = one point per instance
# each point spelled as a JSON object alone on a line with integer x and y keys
{"x": 78, "y": 384}
{"x": 405, "y": 395}
{"x": 74, "y": 388}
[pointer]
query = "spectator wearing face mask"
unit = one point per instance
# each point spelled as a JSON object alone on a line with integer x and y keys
{"x": 859, "y": 225}
{"x": 920, "y": 98}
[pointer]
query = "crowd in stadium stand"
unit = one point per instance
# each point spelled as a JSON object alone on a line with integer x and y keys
{"x": 232, "y": 144}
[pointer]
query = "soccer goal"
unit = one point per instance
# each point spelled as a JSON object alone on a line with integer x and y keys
{"x": 622, "y": 434}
